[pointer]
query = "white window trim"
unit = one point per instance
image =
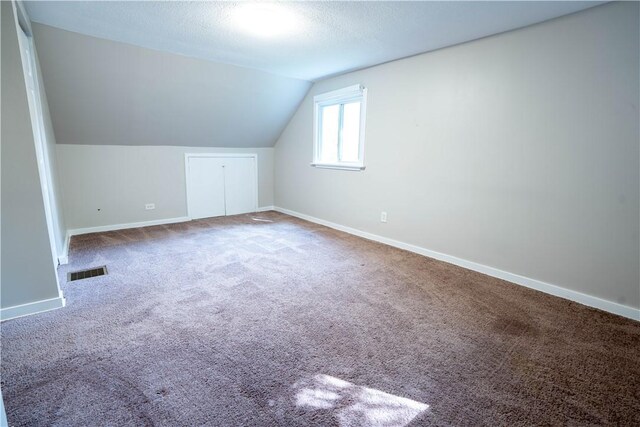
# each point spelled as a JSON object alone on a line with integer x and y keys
{"x": 351, "y": 93}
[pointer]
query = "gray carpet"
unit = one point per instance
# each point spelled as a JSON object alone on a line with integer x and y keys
{"x": 279, "y": 322}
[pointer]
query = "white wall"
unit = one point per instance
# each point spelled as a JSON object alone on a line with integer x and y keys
{"x": 518, "y": 151}
{"x": 29, "y": 280}
{"x": 120, "y": 180}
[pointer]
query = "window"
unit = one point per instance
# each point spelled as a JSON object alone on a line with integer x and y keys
{"x": 338, "y": 124}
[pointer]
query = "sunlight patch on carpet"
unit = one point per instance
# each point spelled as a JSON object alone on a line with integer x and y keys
{"x": 356, "y": 405}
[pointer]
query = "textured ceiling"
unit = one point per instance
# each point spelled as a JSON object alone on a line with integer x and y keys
{"x": 329, "y": 38}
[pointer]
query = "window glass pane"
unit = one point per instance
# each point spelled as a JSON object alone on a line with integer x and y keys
{"x": 351, "y": 132}
{"x": 329, "y": 133}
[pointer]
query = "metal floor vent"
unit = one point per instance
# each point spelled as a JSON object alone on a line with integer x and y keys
{"x": 86, "y": 274}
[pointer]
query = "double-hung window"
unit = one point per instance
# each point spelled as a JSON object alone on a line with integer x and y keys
{"x": 338, "y": 126}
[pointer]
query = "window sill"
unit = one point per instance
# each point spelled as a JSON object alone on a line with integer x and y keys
{"x": 338, "y": 166}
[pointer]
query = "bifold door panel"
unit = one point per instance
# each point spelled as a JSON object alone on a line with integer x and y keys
{"x": 218, "y": 186}
{"x": 239, "y": 184}
{"x": 206, "y": 187}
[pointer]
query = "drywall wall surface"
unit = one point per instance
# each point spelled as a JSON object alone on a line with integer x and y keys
{"x": 519, "y": 152}
{"x": 104, "y": 92}
{"x": 28, "y": 273}
{"x": 111, "y": 184}
{"x": 55, "y": 199}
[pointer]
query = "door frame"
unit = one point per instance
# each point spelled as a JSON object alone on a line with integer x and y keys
{"x": 36, "y": 115}
{"x": 188, "y": 156}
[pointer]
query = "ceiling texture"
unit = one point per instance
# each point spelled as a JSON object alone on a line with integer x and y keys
{"x": 329, "y": 38}
{"x": 185, "y": 73}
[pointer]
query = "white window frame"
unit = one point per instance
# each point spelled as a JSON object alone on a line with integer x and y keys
{"x": 340, "y": 96}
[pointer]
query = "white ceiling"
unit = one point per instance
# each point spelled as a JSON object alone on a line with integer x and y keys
{"x": 330, "y": 38}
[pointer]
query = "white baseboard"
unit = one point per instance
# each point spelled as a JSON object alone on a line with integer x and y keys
{"x": 102, "y": 228}
{"x": 265, "y": 208}
{"x": 31, "y": 308}
{"x": 64, "y": 256}
{"x": 3, "y": 414}
{"x": 591, "y": 301}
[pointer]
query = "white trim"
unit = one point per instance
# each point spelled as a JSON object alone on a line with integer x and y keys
{"x": 23, "y": 17}
{"x": 591, "y": 301}
{"x": 64, "y": 256}
{"x": 102, "y": 228}
{"x": 346, "y": 92}
{"x": 3, "y": 414}
{"x": 221, "y": 155}
{"x": 33, "y": 94}
{"x": 187, "y": 156}
{"x": 340, "y": 166}
{"x": 31, "y": 308}
{"x": 266, "y": 208}
{"x": 352, "y": 93}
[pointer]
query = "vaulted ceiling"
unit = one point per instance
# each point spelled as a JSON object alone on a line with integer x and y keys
{"x": 325, "y": 37}
{"x": 110, "y": 93}
{"x": 190, "y": 73}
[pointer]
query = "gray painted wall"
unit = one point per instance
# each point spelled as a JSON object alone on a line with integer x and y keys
{"x": 111, "y": 93}
{"x": 28, "y": 273}
{"x": 519, "y": 151}
{"x": 120, "y": 180}
{"x": 55, "y": 199}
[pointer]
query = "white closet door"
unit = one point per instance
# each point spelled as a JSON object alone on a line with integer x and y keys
{"x": 206, "y": 187}
{"x": 240, "y": 185}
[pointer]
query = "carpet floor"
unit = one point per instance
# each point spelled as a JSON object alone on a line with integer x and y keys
{"x": 268, "y": 320}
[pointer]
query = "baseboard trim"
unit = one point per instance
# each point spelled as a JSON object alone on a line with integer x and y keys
{"x": 588, "y": 300}
{"x": 266, "y": 208}
{"x": 102, "y": 228}
{"x": 31, "y": 308}
{"x": 64, "y": 256}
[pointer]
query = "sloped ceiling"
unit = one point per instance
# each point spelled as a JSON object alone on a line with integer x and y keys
{"x": 182, "y": 73}
{"x": 105, "y": 92}
{"x": 329, "y": 37}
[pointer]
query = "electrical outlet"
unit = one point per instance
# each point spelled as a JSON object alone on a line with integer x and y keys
{"x": 383, "y": 217}
{"x": 150, "y": 206}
